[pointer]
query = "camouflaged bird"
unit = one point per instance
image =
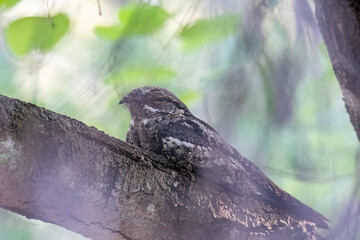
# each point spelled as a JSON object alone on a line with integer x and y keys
{"x": 162, "y": 123}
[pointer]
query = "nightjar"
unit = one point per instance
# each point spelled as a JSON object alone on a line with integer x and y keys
{"x": 162, "y": 123}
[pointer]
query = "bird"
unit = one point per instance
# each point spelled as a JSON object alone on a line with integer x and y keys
{"x": 163, "y": 124}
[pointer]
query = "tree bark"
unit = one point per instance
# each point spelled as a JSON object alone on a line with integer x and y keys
{"x": 339, "y": 22}
{"x": 58, "y": 170}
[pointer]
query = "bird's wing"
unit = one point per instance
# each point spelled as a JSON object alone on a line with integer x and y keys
{"x": 191, "y": 134}
{"x": 182, "y": 132}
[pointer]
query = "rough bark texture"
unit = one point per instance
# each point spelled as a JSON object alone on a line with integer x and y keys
{"x": 339, "y": 22}
{"x": 58, "y": 170}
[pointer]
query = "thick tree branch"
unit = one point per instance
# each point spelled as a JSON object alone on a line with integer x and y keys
{"x": 339, "y": 22}
{"x": 56, "y": 169}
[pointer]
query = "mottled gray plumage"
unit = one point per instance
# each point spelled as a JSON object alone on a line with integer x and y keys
{"x": 163, "y": 124}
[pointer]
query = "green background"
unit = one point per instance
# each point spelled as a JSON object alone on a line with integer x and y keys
{"x": 257, "y": 71}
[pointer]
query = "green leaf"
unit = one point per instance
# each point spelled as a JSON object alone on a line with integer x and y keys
{"x": 108, "y": 33}
{"x": 8, "y": 3}
{"x": 141, "y": 19}
{"x": 208, "y": 30}
{"x": 36, "y": 33}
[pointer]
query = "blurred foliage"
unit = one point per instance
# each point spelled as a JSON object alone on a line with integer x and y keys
{"x": 8, "y": 3}
{"x": 141, "y": 19}
{"x": 208, "y": 30}
{"x": 32, "y": 33}
{"x": 256, "y": 70}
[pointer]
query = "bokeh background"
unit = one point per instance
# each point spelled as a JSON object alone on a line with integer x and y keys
{"x": 256, "y": 70}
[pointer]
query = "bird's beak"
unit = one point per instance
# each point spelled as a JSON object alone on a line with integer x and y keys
{"x": 129, "y": 98}
{"x": 123, "y": 100}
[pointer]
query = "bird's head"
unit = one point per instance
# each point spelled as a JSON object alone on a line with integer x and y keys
{"x": 152, "y": 102}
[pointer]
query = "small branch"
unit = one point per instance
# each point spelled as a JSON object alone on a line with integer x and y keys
{"x": 99, "y": 7}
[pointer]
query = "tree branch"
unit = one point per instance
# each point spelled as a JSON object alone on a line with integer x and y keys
{"x": 58, "y": 170}
{"x": 339, "y": 22}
